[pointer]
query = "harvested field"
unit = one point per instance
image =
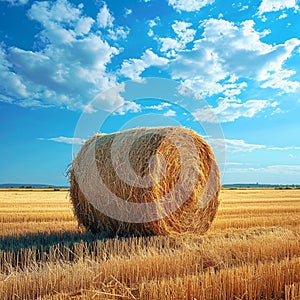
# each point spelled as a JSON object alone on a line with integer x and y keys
{"x": 252, "y": 251}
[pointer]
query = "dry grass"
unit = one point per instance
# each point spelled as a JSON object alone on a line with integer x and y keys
{"x": 32, "y": 211}
{"x": 252, "y": 251}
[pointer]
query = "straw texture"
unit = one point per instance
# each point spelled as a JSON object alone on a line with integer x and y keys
{"x": 146, "y": 181}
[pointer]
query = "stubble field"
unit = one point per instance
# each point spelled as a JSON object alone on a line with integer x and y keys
{"x": 252, "y": 251}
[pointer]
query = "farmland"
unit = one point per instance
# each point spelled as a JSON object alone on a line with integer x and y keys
{"x": 252, "y": 251}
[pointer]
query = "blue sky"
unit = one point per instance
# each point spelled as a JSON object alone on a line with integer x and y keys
{"x": 235, "y": 66}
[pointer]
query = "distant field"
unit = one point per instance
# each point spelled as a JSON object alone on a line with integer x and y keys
{"x": 252, "y": 251}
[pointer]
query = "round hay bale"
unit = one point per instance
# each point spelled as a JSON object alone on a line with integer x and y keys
{"x": 146, "y": 181}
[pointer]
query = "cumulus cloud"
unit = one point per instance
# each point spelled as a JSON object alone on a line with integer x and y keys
{"x": 105, "y": 20}
{"x": 169, "y": 44}
{"x": 276, "y": 5}
{"x": 134, "y": 67}
{"x": 70, "y": 67}
{"x": 10, "y": 82}
{"x": 128, "y": 106}
{"x": 104, "y": 17}
{"x": 184, "y": 35}
{"x": 273, "y": 75}
{"x": 118, "y": 33}
{"x": 109, "y": 100}
{"x": 84, "y": 26}
{"x": 189, "y": 5}
{"x": 230, "y": 110}
{"x": 279, "y": 80}
{"x": 209, "y": 67}
{"x": 170, "y": 113}
{"x": 113, "y": 101}
{"x": 75, "y": 59}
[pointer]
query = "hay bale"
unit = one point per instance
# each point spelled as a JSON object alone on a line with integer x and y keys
{"x": 147, "y": 181}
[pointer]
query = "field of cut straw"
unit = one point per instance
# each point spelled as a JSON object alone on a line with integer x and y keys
{"x": 252, "y": 251}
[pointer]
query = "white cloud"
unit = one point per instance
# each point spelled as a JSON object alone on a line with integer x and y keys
{"x": 229, "y": 110}
{"x": 112, "y": 100}
{"x": 278, "y": 174}
{"x": 279, "y": 80}
{"x": 282, "y": 16}
{"x": 152, "y": 59}
{"x": 70, "y": 67}
{"x": 104, "y": 17}
{"x": 105, "y": 20}
{"x": 65, "y": 140}
{"x": 199, "y": 70}
{"x": 160, "y": 106}
{"x": 59, "y": 20}
{"x": 239, "y": 145}
{"x": 154, "y": 22}
{"x": 133, "y": 68}
{"x": 245, "y": 7}
{"x": 233, "y": 89}
{"x": 273, "y": 169}
{"x": 170, "y": 113}
{"x": 169, "y": 44}
{"x": 185, "y": 91}
{"x": 273, "y": 75}
{"x": 184, "y": 35}
{"x": 128, "y": 11}
{"x": 118, "y": 33}
{"x": 150, "y": 32}
{"x": 128, "y": 106}
{"x": 109, "y": 100}
{"x": 15, "y": 2}
{"x": 289, "y": 148}
{"x": 9, "y": 81}
{"x": 208, "y": 66}
{"x": 60, "y": 11}
{"x": 189, "y": 5}
{"x": 235, "y": 145}
{"x": 84, "y": 26}
{"x": 68, "y": 75}
{"x": 276, "y": 5}
{"x": 71, "y": 62}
